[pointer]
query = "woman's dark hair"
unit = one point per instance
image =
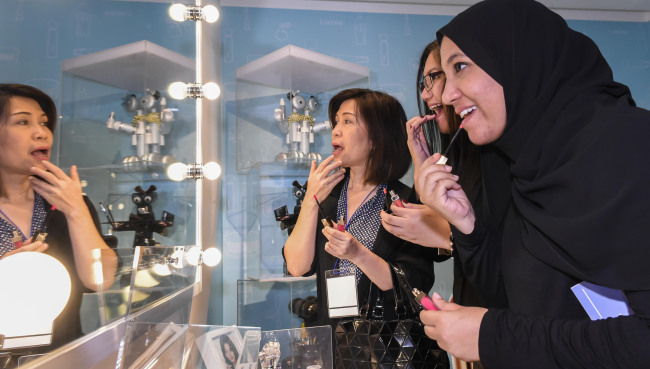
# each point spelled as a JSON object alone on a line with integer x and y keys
{"x": 385, "y": 121}
{"x": 9, "y": 90}
{"x": 226, "y": 340}
{"x": 435, "y": 140}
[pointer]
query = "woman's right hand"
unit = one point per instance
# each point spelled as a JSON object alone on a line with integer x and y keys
{"x": 323, "y": 178}
{"x": 417, "y": 143}
{"x": 36, "y": 246}
{"x": 418, "y": 224}
{"x": 439, "y": 189}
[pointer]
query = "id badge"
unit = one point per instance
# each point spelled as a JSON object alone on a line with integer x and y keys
{"x": 342, "y": 298}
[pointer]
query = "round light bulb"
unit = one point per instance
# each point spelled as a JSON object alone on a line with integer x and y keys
{"x": 211, "y": 170}
{"x": 177, "y": 12}
{"x": 33, "y": 303}
{"x": 193, "y": 255}
{"x": 211, "y": 13}
{"x": 176, "y": 171}
{"x": 177, "y": 90}
{"x": 211, "y": 91}
{"x": 211, "y": 256}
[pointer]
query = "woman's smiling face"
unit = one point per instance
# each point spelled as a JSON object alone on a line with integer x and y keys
{"x": 433, "y": 97}
{"x": 476, "y": 97}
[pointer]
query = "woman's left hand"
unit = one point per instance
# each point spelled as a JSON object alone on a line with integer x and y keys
{"x": 454, "y": 327}
{"x": 342, "y": 244}
{"x": 58, "y": 188}
{"x": 36, "y": 246}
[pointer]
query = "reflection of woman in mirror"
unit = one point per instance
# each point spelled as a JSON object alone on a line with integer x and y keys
{"x": 229, "y": 352}
{"x": 36, "y": 195}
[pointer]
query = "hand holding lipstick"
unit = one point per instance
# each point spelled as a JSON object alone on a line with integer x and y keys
{"x": 455, "y": 327}
{"x": 342, "y": 244}
{"x": 439, "y": 189}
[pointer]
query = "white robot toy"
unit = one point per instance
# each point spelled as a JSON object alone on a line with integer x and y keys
{"x": 299, "y": 127}
{"x": 151, "y": 122}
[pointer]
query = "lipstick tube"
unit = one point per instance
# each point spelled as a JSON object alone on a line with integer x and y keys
{"x": 424, "y": 300}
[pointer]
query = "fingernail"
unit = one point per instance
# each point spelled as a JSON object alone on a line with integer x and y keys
{"x": 435, "y": 295}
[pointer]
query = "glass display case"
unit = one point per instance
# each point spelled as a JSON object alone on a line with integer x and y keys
{"x": 145, "y": 309}
{"x": 278, "y": 303}
{"x": 299, "y": 348}
{"x": 122, "y": 131}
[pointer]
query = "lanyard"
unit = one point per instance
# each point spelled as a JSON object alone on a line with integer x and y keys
{"x": 358, "y": 207}
{"x": 14, "y": 224}
{"x": 348, "y": 220}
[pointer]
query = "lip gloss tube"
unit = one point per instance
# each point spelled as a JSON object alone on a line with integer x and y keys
{"x": 424, "y": 300}
{"x": 17, "y": 240}
{"x": 341, "y": 225}
{"x": 395, "y": 199}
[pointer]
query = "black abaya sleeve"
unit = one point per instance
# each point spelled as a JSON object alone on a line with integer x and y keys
{"x": 479, "y": 253}
{"x": 507, "y": 340}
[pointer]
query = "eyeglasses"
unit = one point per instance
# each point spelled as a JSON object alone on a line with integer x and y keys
{"x": 427, "y": 80}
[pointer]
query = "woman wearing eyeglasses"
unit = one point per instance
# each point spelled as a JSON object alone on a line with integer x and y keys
{"x": 428, "y": 133}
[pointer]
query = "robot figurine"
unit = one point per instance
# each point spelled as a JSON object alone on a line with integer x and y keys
{"x": 144, "y": 223}
{"x": 299, "y": 127}
{"x": 151, "y": 122}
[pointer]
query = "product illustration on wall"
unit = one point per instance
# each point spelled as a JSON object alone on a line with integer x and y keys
{"x": 299, "y": 126}
{"x": 144, "y": 222}
{"x": 152, "y": 120}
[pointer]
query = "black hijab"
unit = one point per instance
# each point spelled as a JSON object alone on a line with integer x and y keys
{"x": 573, "y": 156}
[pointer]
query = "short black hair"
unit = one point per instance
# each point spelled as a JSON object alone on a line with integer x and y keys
{"x": 385, "y": 120}
{"x": 9, "y": 90}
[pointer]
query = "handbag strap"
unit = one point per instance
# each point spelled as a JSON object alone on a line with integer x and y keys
{"x": 400, "y": 288}
{"x": 405, "y": 288}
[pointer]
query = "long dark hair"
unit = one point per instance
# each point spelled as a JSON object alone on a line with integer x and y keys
{"x": 224, "y": 340}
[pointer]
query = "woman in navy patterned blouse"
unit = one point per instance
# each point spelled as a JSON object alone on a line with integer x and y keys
{"x": 369, "y": 156}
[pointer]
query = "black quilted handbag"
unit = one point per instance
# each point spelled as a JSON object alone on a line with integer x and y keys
{"x": 369, "y": 342}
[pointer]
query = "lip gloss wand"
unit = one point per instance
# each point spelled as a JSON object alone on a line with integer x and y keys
{"x": 443, "y": 158}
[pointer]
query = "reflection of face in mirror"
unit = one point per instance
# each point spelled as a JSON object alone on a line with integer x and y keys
{"x": 229, "y": 352}
{"x": 39, "y": 198}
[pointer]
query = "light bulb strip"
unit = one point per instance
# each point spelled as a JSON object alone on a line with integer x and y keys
{"x": 194, "y": 90}
{"x": 194, "y": 171}
{"x": 194, "y": 13}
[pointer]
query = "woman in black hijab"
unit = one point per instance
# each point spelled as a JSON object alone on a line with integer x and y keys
{"x": 563, "y": 197}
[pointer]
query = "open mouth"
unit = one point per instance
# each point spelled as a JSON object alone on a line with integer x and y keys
{"x": 336, "y": 149}
{"x": 436, "y": 109}
{"x": 42, "y": 154}
{"x": 467, "y": 112}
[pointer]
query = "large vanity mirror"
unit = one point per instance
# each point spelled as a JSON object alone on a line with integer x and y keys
{"x": 108, "y": 64}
